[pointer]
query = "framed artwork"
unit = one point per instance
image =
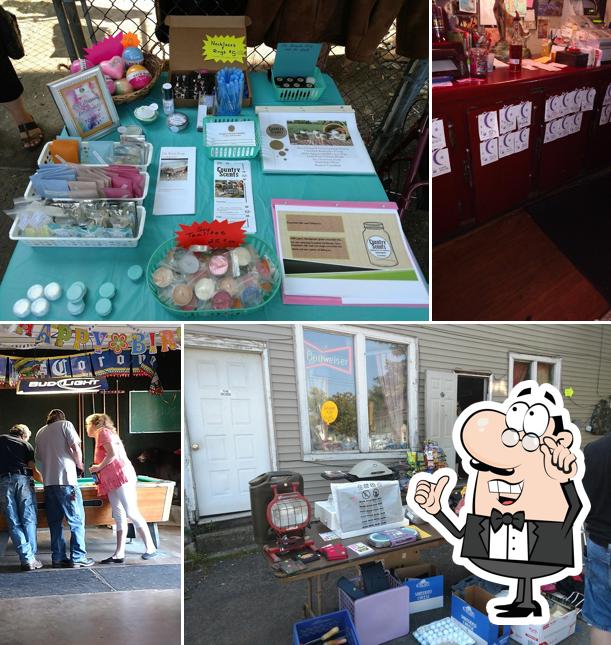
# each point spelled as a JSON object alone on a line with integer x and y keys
{"x": 85, "y": 104}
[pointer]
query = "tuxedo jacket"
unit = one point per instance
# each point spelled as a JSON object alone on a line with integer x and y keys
{"x": 548, "y": 542}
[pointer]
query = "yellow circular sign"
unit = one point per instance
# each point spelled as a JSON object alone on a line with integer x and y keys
{"x": 329, "y": 412}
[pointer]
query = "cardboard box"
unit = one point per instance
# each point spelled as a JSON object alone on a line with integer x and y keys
{"x": 553, "y": 632}
{"x": 470, "y": 611}
{"x": 187, "y": 36}
{"x": 425, "y": 587}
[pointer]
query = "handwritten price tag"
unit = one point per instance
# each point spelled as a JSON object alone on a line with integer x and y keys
{"x": 224, "y": 49}
{"x": 216, "y": 235}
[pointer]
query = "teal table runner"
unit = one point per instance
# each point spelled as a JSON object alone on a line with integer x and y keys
{"x": 133, "y": 301}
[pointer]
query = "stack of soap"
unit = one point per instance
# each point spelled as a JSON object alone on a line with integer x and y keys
{"x": 103, "y": 306}
{"x": 37, "y": 300}
{"x": 76, "y": 298}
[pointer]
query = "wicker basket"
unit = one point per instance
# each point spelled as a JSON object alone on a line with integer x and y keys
{"x": 154, "y": 66}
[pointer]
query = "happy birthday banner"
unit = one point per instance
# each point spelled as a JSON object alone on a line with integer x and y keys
{"x": 73, "y": 337}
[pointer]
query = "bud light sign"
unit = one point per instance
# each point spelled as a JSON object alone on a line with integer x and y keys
{"x": 61, "y": 385}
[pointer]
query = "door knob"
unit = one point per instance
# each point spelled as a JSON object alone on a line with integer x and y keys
{"x": 195, "y": 446}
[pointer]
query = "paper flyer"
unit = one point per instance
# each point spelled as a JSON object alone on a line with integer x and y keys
{"x": 354, "y": 254}
{"x": 233, "y": 193}
{"x": 441, "y": 162}
{"x": 312, "y": 140}
{"x": 175, "y": 190}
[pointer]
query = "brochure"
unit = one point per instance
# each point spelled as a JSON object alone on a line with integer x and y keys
{"x": 345, "y": 253}
{"x": 306, "y": 139}
{"x": 233, "y": 193}
{"x": 175, "y": 191}
{"x": 230, "y": 133}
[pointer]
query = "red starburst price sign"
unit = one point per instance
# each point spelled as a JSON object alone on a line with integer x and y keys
{"x": 216, "y": 235}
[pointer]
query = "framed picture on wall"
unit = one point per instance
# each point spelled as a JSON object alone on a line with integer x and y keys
{"x": 85, "y": 104}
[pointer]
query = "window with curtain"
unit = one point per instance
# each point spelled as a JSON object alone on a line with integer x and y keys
{"x": 357, "y": 392}
{"x": 538, "y": 368}
{"x": 386, "y": 395}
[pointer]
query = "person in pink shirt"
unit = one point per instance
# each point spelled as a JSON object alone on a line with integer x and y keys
{"x": 117, "y": 480}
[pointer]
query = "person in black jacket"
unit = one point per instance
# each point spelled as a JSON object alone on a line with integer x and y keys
{"x": 597, "y": 482}
{"x": 17, "y": 498}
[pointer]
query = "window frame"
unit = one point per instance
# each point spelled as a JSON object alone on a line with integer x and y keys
{"x": 359, "y": 336}
{"x": 534, "y": 359}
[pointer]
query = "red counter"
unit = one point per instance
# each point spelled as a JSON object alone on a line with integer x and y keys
{"x": 472, "y": 193}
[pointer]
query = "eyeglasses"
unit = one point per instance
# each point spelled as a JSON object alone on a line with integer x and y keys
{"x": 530, "y": 441}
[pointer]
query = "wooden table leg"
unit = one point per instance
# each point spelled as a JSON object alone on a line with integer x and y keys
{"x": 307, "y": 608}
{"x": 319, "y": 595}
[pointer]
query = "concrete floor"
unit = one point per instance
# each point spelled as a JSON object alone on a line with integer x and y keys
{"x": 239, "y": 602}
{"x": 148, "y": 613}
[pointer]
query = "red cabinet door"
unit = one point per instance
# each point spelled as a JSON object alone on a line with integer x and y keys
{"x": 599, "y": 147}
{"x": 502, "y": 185}
{"x": 451, "y": 192}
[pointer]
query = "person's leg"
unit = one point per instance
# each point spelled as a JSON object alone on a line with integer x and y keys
{"x": 129, "y": 499}
{"x": 11, "y": 97}
{"x": 26, "y": 498}
{"x": 10, "y": 507}
{"x": 599, "y": 637}
{"x": 75, "y": 516}
{"x": 55, "y": 517}
{"x": 120, "y": 517}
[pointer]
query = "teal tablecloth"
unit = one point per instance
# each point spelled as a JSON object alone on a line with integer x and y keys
{"x": 30, "y": 265}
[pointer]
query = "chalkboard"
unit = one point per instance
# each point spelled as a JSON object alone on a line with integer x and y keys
{"x": 149, "y": 413}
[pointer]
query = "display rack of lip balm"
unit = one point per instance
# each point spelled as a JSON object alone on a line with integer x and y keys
{"x": 201, "y": 282}
{"x": 446, "y": 631}
{"x": 84, "y": 223}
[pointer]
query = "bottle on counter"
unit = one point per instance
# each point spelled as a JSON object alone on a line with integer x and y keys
{"x": 168, "y": 98}
{"x": 440, "y": 34}
{"x": 515, "y": 45}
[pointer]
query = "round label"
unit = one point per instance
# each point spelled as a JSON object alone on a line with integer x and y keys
{"x": 276, "y": 131}
{"x": 378, "y": 247}
{"x": 329, "y": 412}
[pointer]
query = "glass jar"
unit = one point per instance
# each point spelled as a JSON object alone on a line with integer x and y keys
{"x": 478, "y": 58}
{"x": 378, "y": 245}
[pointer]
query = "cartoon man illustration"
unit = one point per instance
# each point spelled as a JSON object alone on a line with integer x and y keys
{"x": 524, "y": 504}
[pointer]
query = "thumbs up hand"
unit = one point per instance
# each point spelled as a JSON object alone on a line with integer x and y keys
{"x": 428, "y": 494}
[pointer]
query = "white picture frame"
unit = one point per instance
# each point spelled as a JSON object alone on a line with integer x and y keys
{"x": 85, "y": 104}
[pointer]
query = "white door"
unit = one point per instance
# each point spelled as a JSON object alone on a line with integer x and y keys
{"x": 226, "y": 416}
{"x": 440, "y": 410}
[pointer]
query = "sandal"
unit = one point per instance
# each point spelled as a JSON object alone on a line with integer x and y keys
{"x": 29, "y": 139}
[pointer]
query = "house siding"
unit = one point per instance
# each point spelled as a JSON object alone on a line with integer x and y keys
{"x": 585, "y": 351}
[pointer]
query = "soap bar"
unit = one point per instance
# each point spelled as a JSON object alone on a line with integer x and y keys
{"x": 35, "y": 291}
{"x": 40, "y": 307}
{"x": 76, "y": 292}
{"x": 103, "y": 307}
{"x": 21, "y": 308}
{"x": 134, "y": 272}
{"x": 53, "y": 291}
{"x": 76, "y": 308}
{"x": 107, "y": 290}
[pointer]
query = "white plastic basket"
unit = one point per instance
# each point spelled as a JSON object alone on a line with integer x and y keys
{"x": 29, "y": 192}
{"x": 91, "y": 242}
{"x": 45, "y": 157}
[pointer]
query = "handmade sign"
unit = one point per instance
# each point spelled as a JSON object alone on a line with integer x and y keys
{"x": 215, "y": 235}
{"x": 525, "y": 503}
{"x": 224, "y": 49}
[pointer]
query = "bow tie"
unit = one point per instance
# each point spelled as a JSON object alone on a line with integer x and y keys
{"x": 497, "y": 519}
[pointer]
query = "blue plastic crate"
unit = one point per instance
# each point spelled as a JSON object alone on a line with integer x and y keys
{"x": 312, "y": 628}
